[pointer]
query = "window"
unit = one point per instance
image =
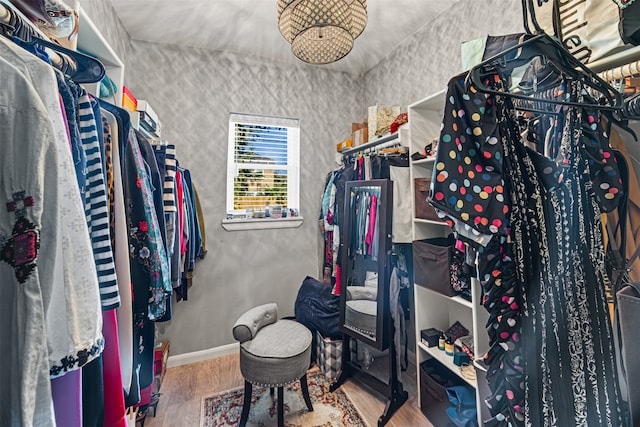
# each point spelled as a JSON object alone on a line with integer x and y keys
{"x": 263, "y": 166}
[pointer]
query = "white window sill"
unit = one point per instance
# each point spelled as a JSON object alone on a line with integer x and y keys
{"x": 261, "y": 224}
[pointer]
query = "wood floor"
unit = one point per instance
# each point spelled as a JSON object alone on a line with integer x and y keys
{"x": 184, "y": 387}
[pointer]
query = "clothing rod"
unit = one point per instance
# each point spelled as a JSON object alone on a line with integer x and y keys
{"x": 627, "y": 70}
{"x": 5, "y": 17}
{"x": 370, "y": 144}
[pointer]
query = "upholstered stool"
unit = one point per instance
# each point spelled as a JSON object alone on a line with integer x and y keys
{"x": 273, "y": 353}
{"x": 361, "y": 309}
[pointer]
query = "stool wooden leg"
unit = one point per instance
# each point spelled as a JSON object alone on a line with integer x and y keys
{"x": 281, "y": 406}
{"x": 246, "y": 404}
{"x": 305, "y": 392}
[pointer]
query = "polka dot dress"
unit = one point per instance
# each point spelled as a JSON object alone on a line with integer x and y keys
{"x": 542, "y": 272}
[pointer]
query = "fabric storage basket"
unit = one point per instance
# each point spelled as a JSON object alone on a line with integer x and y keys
{"x": 434, "y": 380}
{"x": 424, "y": 210}
{"x": 432, "y": 264}
{"x": 329, "y": 357}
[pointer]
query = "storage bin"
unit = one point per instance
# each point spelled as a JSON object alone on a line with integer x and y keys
{"x": 432, "y": 264}
{"x": 434, "y": 380}
{"x": 329, "y": 357}
{"x": 424, "y": 210}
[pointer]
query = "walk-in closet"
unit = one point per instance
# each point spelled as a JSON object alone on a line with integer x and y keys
{"x": 319, "y": 213}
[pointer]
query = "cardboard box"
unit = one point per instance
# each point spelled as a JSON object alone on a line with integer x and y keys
{"x": 129, "y": 102}
{"x": 343, "y": 145}
{"x": 359, "y": 134}
{"x": 148, "y": 117}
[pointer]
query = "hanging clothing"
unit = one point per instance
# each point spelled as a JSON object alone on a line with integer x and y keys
{"x": 203, "y": 240}
{"x": 67, "y": 335}
{"x": 121, "y": 251}
{"x": 25, "y": 388}
{"x": 96, "y": 208}
{"x": 542, "y": 271}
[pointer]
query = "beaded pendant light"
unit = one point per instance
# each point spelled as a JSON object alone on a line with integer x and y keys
{"x": 321, "y": 31}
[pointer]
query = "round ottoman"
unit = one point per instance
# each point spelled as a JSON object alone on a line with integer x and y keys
{"x": 360, "y": 314}
{"x": 278, "y": 355}
{"x": 273, "y": 353}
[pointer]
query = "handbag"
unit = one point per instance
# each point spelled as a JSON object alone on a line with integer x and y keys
{"x": 463, "y": 413}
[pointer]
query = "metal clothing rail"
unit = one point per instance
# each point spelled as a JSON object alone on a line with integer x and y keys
{"x": 628, "y": 70}
{"x": 384, "y": 142}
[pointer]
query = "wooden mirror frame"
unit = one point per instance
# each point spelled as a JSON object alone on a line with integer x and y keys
{"x": 383, "y": 313}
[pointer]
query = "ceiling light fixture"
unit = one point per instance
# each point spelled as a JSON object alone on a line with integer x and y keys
{"x": 321, "y": 31}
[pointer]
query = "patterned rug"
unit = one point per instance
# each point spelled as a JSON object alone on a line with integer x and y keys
{"x": 329, "y": 409}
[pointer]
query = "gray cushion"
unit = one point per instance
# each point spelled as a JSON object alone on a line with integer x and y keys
{"x": 361, "y": 315}
{"x": 362, "y": 292}
{"x": 248, "y": 325}
{"x": 279, "y": 354}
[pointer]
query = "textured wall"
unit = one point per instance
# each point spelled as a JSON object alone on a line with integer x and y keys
{"x": 426, "y": 61}
{"x": 104, "y": 17}
{"x": 193, "y": 92}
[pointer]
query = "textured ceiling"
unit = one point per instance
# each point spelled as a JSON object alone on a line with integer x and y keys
{"x": 250, "y": 27}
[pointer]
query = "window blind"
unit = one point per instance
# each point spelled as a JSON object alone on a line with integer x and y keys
{"x": 263, "y": 163}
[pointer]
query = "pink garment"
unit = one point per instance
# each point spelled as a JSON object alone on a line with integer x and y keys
{"x": 114, "y": 409}
{"x": 372, "y": 224}
{"x": 338, "y": 287}
{"x": 67, "y": 398}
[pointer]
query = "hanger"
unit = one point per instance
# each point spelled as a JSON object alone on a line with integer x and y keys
{"x": 80, "y": 67}
{"x": 87, "y": 68}
{"x": 554, "y": 55}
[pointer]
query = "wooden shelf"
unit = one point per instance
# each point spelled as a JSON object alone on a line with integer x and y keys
{"x": 447, "y": 361}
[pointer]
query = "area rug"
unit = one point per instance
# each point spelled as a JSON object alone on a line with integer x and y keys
{"x": 329, "y": 409}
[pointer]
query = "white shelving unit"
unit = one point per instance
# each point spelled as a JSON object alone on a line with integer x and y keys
{"x": 91, "y": 41}
{"x": 432, "y": 309}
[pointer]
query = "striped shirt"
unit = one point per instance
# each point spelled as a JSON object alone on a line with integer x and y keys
{"x": 169, "y": 178}
{"x": 96, "y": 209}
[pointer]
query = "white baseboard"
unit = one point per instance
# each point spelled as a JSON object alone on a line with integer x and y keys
{"x": 199, "y": 356}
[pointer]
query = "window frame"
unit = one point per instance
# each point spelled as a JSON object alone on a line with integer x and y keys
{"x": 292, "y": 169}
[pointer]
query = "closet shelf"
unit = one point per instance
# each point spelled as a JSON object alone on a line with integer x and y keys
{"x": 447, "y": 361}
{"x": 428, "y": 160}
{"x": 457, "y": 299}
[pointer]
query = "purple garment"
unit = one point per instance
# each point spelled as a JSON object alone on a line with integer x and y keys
{"x": 67, "y": 398}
